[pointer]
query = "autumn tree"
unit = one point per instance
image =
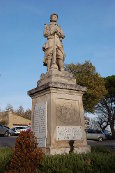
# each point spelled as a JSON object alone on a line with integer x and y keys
{"x": 106, "y": 107}
{"x": 87, "y": 76}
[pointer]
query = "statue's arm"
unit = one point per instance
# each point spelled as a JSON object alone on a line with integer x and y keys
{"x": 46, "y": 31}
{"x": 61, "y": 33}
{"x": 49, "y": 30}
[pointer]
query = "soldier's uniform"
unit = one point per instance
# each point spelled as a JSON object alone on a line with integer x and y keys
{"x": 49, "y": 32}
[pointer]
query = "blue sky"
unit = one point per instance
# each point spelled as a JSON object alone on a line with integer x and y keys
{"x": 89, "y": 27}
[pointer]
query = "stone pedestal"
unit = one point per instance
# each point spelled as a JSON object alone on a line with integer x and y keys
{"x": 57, "y": 113}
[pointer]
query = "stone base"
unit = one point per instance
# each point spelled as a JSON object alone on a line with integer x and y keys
{"x": 57, "y": 113}
{"x": 78, "y": 150}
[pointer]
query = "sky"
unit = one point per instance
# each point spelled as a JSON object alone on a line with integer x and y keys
{"x": 89, "y": 27}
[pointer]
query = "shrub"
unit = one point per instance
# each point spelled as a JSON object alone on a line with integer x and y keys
{"x": 100, "y": 160}
{"x": 100, "y": 149}
{"x": 27, "y": 155}
{"x": 5, "y": 156}
{"x": 97, "y": 162}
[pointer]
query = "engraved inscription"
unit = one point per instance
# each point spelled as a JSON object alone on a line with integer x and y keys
{"x": 68, "y": 133}
{"x": 40, "y": 123}
{"x": 67, "y": 112}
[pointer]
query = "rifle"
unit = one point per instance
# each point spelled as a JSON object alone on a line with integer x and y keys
{"x": 54, "y": 65}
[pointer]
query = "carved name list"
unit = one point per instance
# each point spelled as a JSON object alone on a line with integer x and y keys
{"x": 40, "y": 123}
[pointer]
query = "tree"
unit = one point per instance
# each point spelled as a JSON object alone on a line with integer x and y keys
{"x": 9, "y": 108}
{"x": 4, "y": 118}
{"x": 87, "y": 76}
{"x": 106, "y": 107}
{"x": 27, "y": 114}
{"x": 94, "y": 123}
{"x": 103, "y": 122}
{"x": 20, "y": 111}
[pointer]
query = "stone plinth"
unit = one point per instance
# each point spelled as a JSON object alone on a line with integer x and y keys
{"x": 57, "y": 113}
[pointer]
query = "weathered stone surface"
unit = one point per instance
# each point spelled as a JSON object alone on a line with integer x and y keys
{"x": 56, "y": 79}
{"x": 56, "y": 85}
{"x": 53, "y": 48}
{"x": 67, "y": 112}
{"x": 68, "y": 133}
{"x": 40, "y": 123}
{"x": 63, "y": 96}
{"x": 64, "y": 108}
{"x": 56, "y": 76}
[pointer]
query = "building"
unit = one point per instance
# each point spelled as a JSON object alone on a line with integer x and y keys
{"x": 13, "y": 120}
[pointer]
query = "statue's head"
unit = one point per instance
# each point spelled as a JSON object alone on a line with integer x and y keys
{"x": 53, "y": 17}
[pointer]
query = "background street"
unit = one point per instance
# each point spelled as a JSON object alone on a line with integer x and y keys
{"x": 10, "y": 142}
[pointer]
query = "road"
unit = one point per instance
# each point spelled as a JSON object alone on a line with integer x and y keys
{"x": 107, "y": 143}
{"x": 10, "y": 142}
{"x": 7, "y": 141}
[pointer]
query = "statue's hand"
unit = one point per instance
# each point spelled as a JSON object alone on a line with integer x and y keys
{"x": 54, "y": 30}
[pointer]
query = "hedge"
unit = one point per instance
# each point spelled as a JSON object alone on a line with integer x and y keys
{"x": 95, "y": 162}
{"x": 100, "y": 160}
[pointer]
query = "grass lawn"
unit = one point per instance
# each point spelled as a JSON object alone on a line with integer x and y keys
{"x": 100, "y": 160}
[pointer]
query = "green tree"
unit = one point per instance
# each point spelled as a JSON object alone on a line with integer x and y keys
{"x": 87, "y": 76}
{"x": 106, "y": 107}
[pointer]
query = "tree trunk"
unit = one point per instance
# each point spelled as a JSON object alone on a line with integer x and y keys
{"x": 112, "y": 129}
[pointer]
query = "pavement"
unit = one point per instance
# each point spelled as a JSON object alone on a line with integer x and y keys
{"x": 7, "y": 141}
{"x": 10, "y": 142}
{"x": 106, "y": 143}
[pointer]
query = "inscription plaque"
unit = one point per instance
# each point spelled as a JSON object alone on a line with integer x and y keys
{"x": 40, "y": 123}
{"x": 69, "y": 133}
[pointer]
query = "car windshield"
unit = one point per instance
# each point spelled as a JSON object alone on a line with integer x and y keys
{"x": 6, "y": 127}
{"x": 27, "y": 127}
{"x": 94, "y": 131}
{"x": 19, "y": 128}
{"x": 13, "y": 129}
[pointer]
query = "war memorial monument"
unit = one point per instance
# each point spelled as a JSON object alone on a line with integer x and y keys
{"x": 57, "y": 107}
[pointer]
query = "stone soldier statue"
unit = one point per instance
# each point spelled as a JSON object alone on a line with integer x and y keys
{"x": 53, "y": 48}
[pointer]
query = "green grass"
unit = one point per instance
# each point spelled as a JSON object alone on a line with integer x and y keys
{"x": 95, "y": 162}
{"x": 5, "y": 156}
{"x": 100, "y": 160}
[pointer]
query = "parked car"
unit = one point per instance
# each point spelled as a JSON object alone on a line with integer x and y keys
{"x": 6, "y": 131}
{"x": 95, "y": 135}
{"x": 11, "y": 132}
{"x": 18, "y": 129}
{"x": 108, "y": 134}
{"x": 28, "y": 129}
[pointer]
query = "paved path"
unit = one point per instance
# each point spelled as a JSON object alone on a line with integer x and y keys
{"x": 7, "y": 141}
{"x": 10, "y": 142}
